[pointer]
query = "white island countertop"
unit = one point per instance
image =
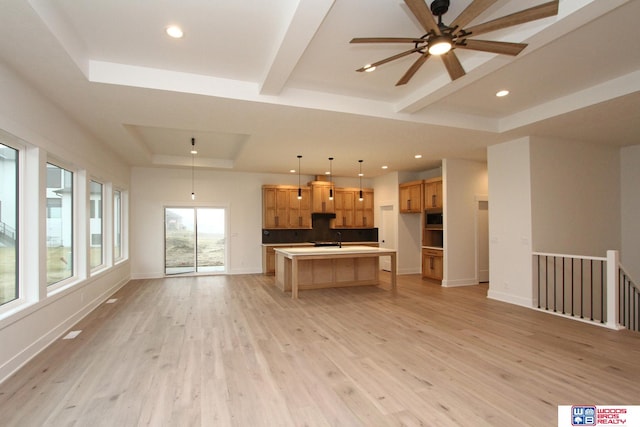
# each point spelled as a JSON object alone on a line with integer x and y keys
{"x": 332, "y": 250}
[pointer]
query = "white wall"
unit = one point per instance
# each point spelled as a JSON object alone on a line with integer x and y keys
{"x": 575, "y": 197}
{"x": 463, "y": 181}
{"x": 153, "y": 189}
{"x": 630, "y": 210}
{"x": 49, "y": 133}
{"x": 510, "y": 262}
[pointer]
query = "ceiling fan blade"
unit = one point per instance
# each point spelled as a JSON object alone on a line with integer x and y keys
{"x": 423, "y": 14}
{"x": 503, "y": 48}
{"x": 413, "y": 69}
{"x": 386, "y": 40}
{"x": 389, "y": 59}
{"x": 538, "y": 12}
{"x": 453, "y": 65}
{"x": 470, "y": 13}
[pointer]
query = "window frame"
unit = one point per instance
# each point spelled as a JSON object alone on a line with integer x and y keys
{"x": 75, "y": 221}
{"x": 93, "y": 269}
{"x": 20, "y": 297}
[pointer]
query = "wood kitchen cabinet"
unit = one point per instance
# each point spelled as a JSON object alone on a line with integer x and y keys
{"x": 344, "y": 201}
{"x": 432, "y": 193}
{"x": 320, "y": 202}
{"x": 300, "y": 209}
{"x": 432, "y": 264}
{"x": 350, "y": 211}
{"x": 364, "y": 209}
{"x": 282, "y": 209}
{"x": 411, "y": 197}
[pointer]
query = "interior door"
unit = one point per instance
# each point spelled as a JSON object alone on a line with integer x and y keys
{"x": 387, "y": 234}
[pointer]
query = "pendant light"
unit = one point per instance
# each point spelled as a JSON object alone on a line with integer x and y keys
{"x": 330, "y": 179}
{"x": 360, "y": 175}
{"x": 299, "y": 188}
{"x": 193, "y": 155}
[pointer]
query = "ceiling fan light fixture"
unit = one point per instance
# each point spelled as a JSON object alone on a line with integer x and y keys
{"x": 439, "y": 45}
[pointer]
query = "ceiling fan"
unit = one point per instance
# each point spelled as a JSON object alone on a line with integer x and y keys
{"x": 441, "y": 39}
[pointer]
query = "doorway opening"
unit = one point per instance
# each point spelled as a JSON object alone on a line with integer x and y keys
{"x": 482, "y": 239}
{"x": 194, "y": 240}
{"x": 387, "y": 233}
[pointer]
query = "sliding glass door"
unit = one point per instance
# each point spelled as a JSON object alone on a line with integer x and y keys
{"x": 194, "y": 240}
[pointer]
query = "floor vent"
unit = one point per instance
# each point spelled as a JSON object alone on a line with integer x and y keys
{"x": 71, "y": 335}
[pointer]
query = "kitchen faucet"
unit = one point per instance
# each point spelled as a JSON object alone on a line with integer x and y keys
{"x": 339, "y": 234}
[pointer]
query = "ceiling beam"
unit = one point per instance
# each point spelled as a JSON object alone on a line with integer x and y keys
{"x": 303, "y": 26}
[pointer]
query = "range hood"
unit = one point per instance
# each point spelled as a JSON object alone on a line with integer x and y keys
{"x": 323, "y": 215}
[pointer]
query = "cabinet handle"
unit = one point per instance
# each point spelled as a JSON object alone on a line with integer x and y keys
{"x": 277, "y": 221}
{"x": 409, "y": 204}
{"x": 300, "y": 221}
{"x": 433, "y": 200}
{"x": 324, "y": 208}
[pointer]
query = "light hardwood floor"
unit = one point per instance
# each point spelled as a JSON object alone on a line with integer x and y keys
{"x": 236, "y": 351}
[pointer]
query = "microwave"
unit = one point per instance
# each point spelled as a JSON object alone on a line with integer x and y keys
{"x": 433, "y": 220}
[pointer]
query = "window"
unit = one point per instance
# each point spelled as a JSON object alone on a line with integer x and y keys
{"x": 8, "y": 224}
{"x": 96, "y": 256}
{"x": 194, "y": 240}
{"x": 117, "y": 225}
{"x": 59, "y": 224}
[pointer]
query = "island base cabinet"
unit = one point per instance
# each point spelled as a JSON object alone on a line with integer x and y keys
{"x": 328, "y": 273}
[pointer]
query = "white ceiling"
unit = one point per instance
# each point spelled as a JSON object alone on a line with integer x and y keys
{"x": 256, "y": 83}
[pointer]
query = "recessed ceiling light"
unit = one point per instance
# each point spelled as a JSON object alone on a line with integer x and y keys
{"x": 368, "y": 68}
{"x": 292, "y": 170}
{"x": 502, "y": 93}
{"x": 385, "y": 167}
{"x": 418, "y": 156}
{"x": 174, "y": 31}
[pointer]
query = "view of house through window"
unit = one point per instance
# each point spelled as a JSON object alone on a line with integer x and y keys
{"x": 59, "y": 224}
{"x": 194, "y": 240}
{"x": 95, "y": 224}
{"x": 8, "y": 224}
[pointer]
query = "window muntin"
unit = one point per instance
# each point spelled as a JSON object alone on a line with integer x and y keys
{"x": 96, "y": 226}
{"x": 60, "y": 224}
{"x": 9, "y": 238}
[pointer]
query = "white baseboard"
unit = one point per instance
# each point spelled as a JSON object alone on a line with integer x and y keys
{"x": 511, "y": 299}
{"x": 459, "y": 282}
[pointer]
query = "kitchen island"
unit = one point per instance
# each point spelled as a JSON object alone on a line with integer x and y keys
{"x": 330, "y": 266}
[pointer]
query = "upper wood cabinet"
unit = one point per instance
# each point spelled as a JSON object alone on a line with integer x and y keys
{"x": 433, "y": 193}
{"x": 282, "y": 209}
{"x": 364, "y": 209}
{"x": 300, "y": 209}
{"x": 411, "y": 197}
{"x": 320, "y": 202}
{"x": 350, "y": 211}
{"x": 344, "y": 208}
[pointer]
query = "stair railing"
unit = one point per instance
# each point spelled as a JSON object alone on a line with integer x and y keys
{"x": 578, "y": 287}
